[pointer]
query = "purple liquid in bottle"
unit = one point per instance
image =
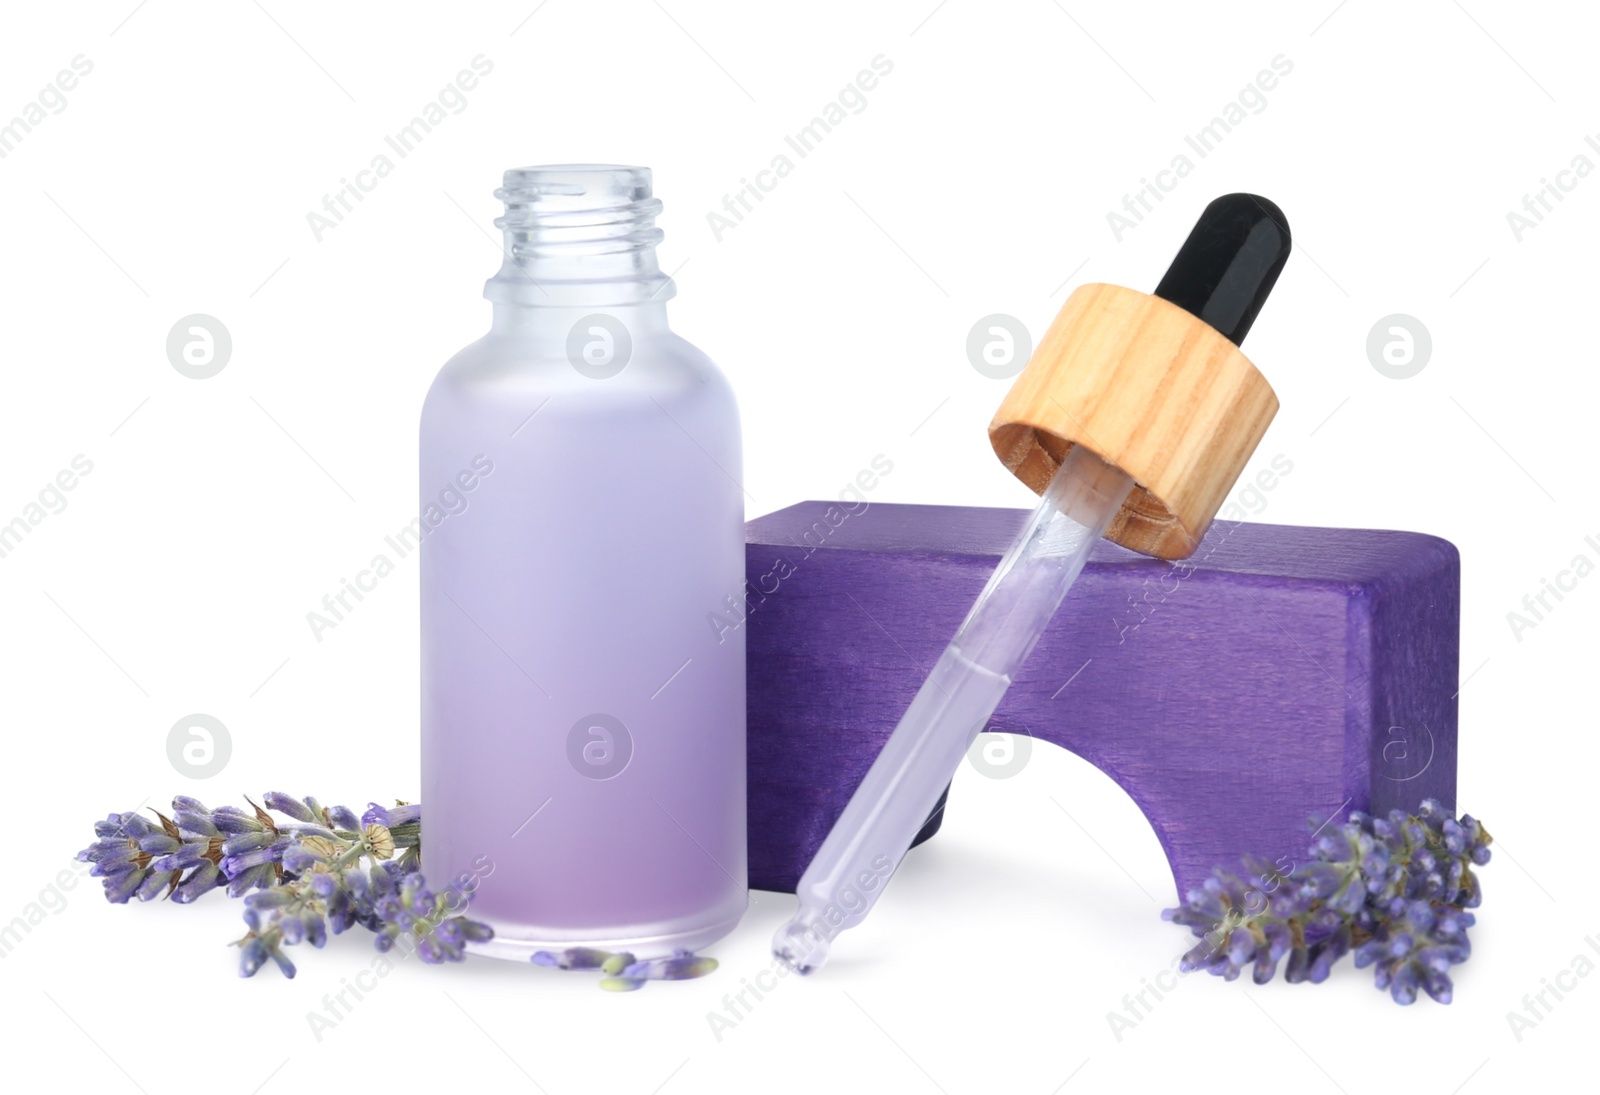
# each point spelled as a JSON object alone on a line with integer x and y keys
{"x": 583, "y": 683}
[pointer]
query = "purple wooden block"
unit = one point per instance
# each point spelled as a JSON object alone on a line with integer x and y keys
{"x": 1279, "y": 673}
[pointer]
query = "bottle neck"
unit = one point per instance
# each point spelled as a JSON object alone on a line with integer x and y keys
{"x": 554, "y": 320}
{"x": 581, "y": 237}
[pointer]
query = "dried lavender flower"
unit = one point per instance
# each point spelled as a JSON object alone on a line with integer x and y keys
{"x": 1394, "y": 890}
{"x": 429, "y": 922}
{"x": 313, "y": 871}
{"x": 622, "y": 971}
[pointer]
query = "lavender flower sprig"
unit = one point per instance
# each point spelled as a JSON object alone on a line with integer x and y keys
{"x": 322, "y": 871}
{"x": 408, "y": 909}
{"x": 1394, "y": 891}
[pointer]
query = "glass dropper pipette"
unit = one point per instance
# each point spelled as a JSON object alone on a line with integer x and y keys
{"x": 1222, "y": 275}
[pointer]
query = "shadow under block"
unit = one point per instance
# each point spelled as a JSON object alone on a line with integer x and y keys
{"x": 1277, "y": 674}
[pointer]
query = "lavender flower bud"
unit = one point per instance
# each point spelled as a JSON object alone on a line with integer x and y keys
{"x": 287, "y": 804}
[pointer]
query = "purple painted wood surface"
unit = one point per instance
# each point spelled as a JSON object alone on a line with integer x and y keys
{"x": 1280, "y": 672}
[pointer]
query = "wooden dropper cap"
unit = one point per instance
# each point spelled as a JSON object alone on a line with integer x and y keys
{"x": 1156, "y": 384}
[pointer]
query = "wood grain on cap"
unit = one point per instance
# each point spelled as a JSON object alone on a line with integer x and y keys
{"x": 1149, "y": 388}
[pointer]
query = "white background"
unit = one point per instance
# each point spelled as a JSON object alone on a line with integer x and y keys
{"x": 977, "y": 180}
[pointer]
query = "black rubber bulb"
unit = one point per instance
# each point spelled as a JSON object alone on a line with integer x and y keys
{"x": 1225, "y": 270}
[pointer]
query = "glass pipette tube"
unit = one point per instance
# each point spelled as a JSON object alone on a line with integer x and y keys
{"x": 1222, "y": 276}
{"x": 952, "y": 707}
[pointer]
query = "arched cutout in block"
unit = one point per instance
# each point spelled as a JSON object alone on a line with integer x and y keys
{"x": 1076, "y": 815}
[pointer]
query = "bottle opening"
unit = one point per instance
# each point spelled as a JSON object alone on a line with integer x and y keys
{"x": 579, "y": 234}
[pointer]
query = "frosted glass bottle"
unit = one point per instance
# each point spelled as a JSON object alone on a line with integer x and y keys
{"x": 582, "y": 563}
